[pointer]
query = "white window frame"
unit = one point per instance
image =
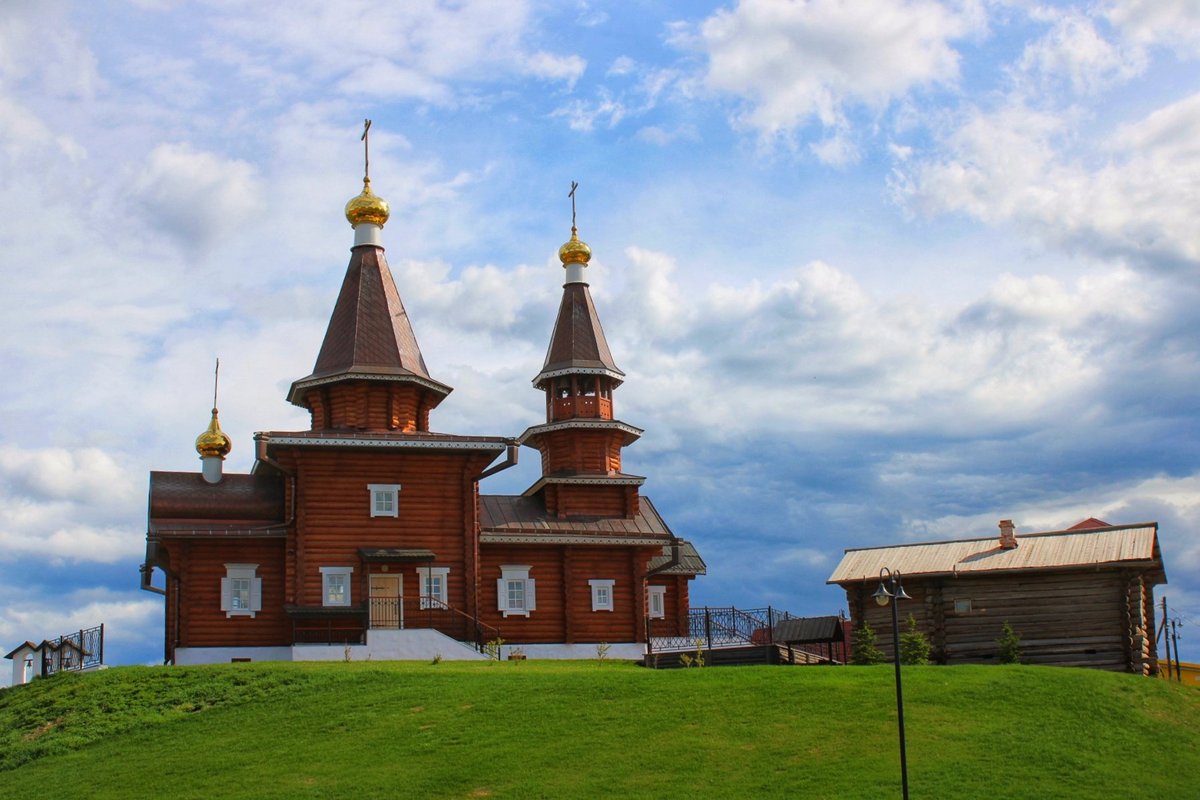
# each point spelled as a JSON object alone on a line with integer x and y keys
{"x": 516, "y": 574}
{"x": 602, "y": 594}
{"x": 656, "y": 602}
{"x": 231, "y": 603}
{"x": 385, "y": 499}
{"x": 346, "y": 573}
{"x": 433, "y": 596}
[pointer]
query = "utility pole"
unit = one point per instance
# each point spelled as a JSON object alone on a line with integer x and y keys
{"x": 1175, "y": 641}
{"x": 1165, "y": 635}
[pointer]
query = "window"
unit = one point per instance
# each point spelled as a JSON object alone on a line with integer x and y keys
{"x": 658, "y": 602}
{"x": 602, "y": 595}
{"x": 515, "y": 591}
{"x": 385, "y": 499}
{"x": 335, "y": 585}
{"x": 962, "y": 606}
{"x": 241, "y": 590}
{"x": 433, "y": 586}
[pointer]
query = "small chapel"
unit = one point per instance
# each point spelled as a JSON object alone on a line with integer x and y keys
{"x": 367, "y": 536}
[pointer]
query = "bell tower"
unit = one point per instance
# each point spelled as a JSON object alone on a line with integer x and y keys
{"x": 581, "y": 440}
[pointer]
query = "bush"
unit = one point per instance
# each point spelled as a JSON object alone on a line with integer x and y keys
{"x": 865, "y": 651}
{"x": 1008, "y": 646}
{"x": 914, "y": 646}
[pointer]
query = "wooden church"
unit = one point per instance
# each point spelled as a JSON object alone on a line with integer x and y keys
{"x": 367, "y": 536}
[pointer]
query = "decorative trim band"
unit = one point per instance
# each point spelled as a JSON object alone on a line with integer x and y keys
{"x": 342, "y": 441}
{"x": 306, "y": 383}
{"x": 616, "y": 375}
{"x": 489, "y": 537}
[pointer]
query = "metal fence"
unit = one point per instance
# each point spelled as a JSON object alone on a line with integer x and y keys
{"x": 719, "y": 627}
{"x": 82, "y": 649}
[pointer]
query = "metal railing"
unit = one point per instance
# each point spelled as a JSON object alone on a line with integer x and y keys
{"x": 80, "y": 650}
{"x": 718, "y": 627}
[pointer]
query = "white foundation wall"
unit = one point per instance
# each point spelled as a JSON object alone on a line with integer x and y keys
{"x": 632, "y": 651}
{"x": 187, "y": 656}
{"x": 401, "y": 645}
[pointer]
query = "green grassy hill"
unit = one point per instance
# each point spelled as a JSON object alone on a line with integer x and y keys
{"x": 542, "y": 729}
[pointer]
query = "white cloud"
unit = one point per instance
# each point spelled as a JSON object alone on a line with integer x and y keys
{"x": 429, "y": 51}
{"x": 1174, "y": 23}
{"x": 1023, "y": 166}
{"x": 547, "y": 65}
{"x": 1173, "y": 502}
{"x": 66, "y": 505}
{"x": 1074, "y": 52}
{"x": 795, "y": 62}
{"x": 60, "y": 65}
{"x": 198, "y": 196}
{"x": 583, "y": 116}
{"x": 662, "y": 137}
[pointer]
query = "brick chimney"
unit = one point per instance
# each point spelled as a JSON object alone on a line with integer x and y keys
{"x": 1008, "y": 537}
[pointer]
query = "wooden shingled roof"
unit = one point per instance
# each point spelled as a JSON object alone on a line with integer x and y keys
{"x": 1087, "y": 548}
{"x": 369, "y": 332}
{"x": 524, "y": 520}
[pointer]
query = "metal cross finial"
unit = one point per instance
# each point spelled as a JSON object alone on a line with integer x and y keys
{"x": 365, "y": 139}
{"x": 216, "y": 377}
{"x": 571, "y": 194}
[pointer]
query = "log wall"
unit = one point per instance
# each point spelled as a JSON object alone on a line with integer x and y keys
{"x": 197, "y": 567}
{"x": 675, "y": 605}
{"x": 437, "y": 511}
{"x": 575, "y": 450}
{"x": 568, "y": 499}
{"x": 564, "y": 597}
{"x": 1077, "y": 618}
{"x": 364, "y": 405}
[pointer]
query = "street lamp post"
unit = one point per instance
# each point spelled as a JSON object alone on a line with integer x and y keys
{"x": 892, "y": 591}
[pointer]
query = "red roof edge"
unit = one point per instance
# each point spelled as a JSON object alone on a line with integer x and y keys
{"x": 1090, "y": 522}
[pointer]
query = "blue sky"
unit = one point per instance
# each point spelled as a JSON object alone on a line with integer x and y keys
{"x": 878, "y": 271}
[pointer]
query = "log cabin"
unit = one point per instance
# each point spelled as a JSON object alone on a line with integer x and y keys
{"x": 1078, "y": 597}
{"x": 366, "y": 535}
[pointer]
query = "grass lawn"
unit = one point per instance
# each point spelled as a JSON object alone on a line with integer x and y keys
{"x": 590, "y": 729}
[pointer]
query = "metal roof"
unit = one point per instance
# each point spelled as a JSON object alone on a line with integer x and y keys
{"x": 369, "y": 333}
{"x": 1114, "y": 546}
{"x": 236, "y": 497}
{"x": 577, "y": 343}
{"x": 690, "y": 562}
{"x": 524, "y": 520}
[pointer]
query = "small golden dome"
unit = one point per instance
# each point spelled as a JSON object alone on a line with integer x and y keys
{"x": 367, "y": 207}
{"x": 574, "y": 251}
{"x": 213, "y": 442}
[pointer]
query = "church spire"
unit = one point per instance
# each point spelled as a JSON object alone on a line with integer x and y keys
{"x": 577, "y": 344}
{"x": 369, "y": 373}
{"x": 581, "y": 440}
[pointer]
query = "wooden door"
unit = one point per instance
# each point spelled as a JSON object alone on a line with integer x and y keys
{"x": 387, "y": 610}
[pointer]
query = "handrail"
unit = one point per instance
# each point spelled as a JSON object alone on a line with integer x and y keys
{"x": 431, "y": 603}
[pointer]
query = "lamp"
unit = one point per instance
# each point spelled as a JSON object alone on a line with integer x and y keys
{"x": 890, "y": 588}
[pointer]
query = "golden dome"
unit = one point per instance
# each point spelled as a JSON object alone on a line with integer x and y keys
{"x": 574, "y": 251}
{"x": 367, "y": 207}
{"x": 213, "y": 442}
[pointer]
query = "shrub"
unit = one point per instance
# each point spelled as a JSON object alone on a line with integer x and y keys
{"x": 865, "y": 651}
{"x": 914, "y": 646}
{"x": 1008, "y": 646}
